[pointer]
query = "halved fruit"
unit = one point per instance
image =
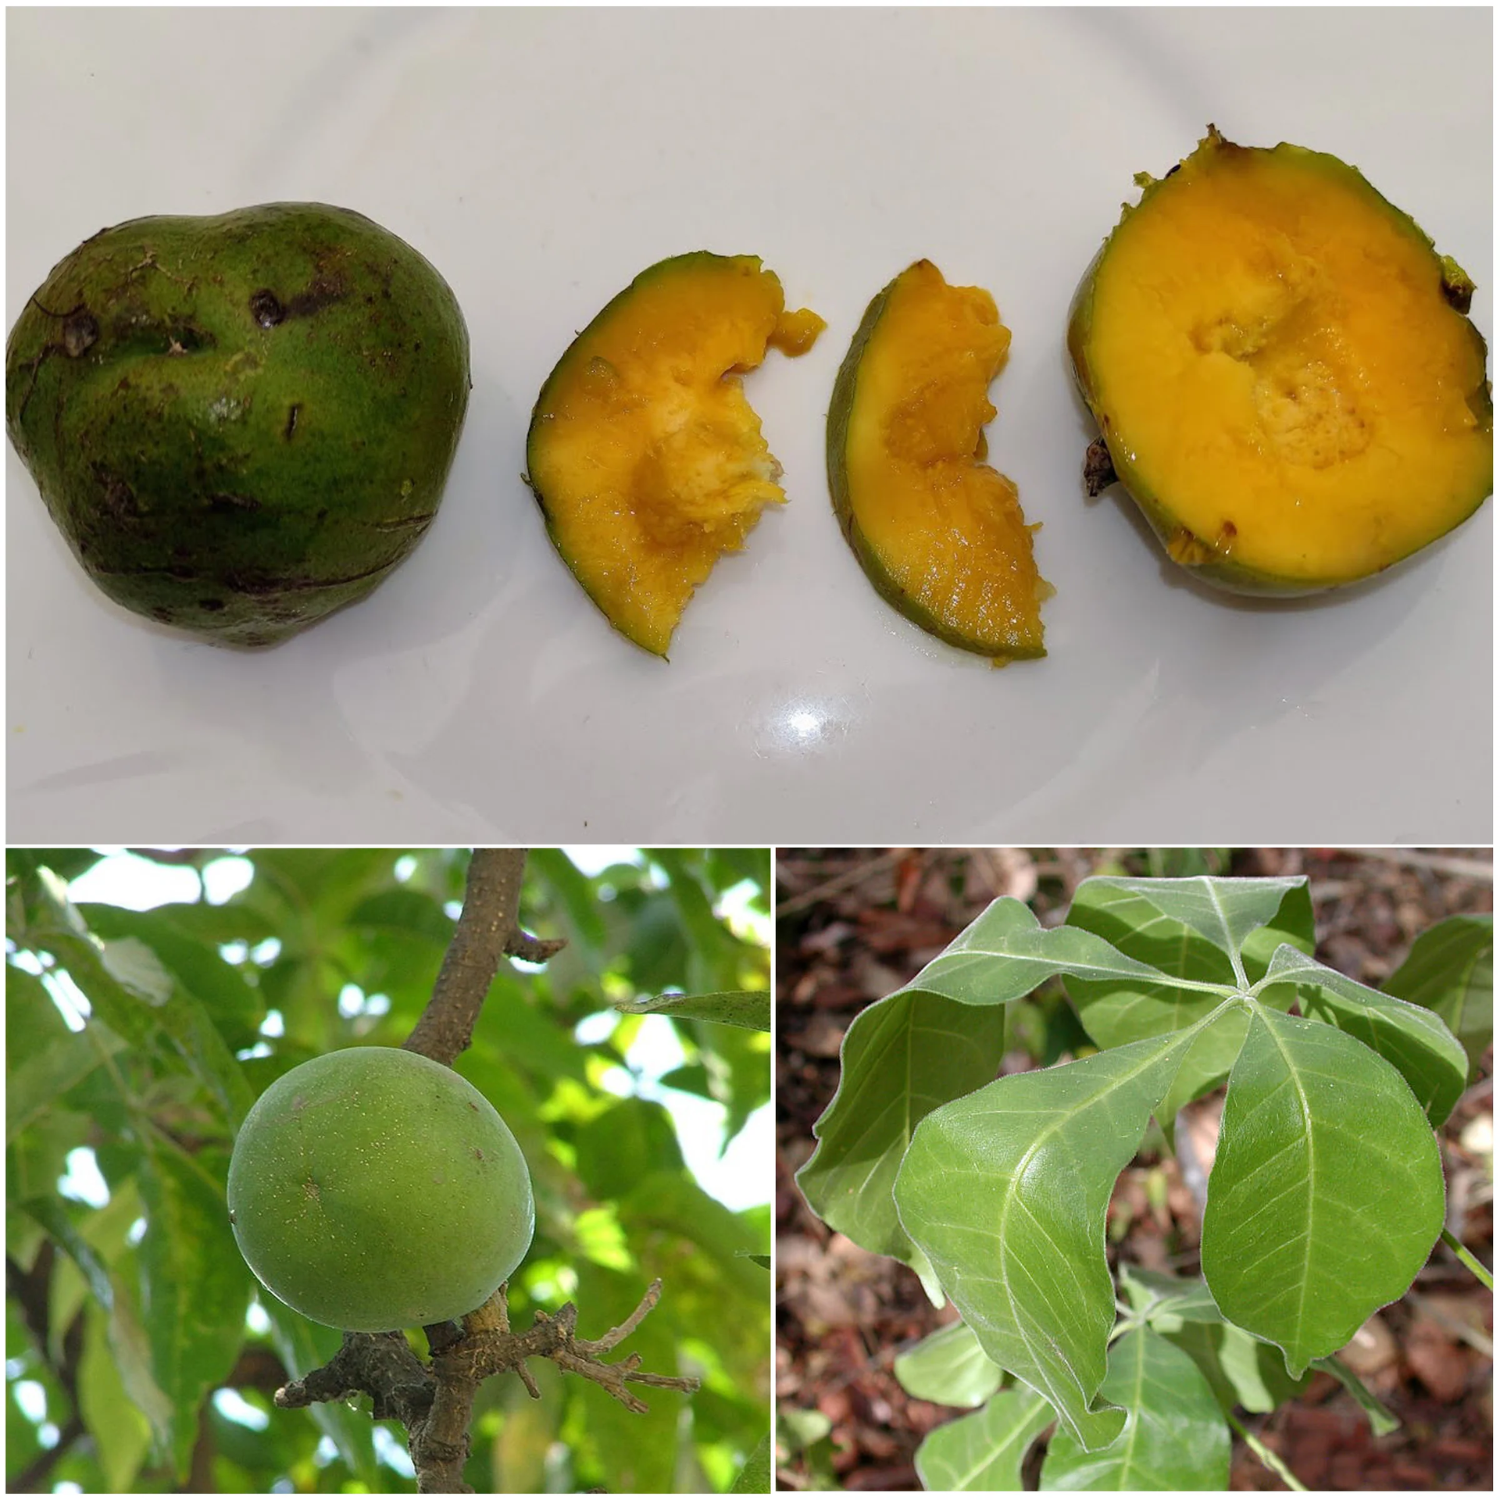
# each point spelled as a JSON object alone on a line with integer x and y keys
{"x": 1282, "y": 372}
{"x": 646, "y": 459}
{"x": 938, "y": 532}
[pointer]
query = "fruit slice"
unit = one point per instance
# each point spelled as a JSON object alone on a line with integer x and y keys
{"x": 1282, "y": 372}
{"x": 644, "y": 455}
{"x": 938, "y": 532}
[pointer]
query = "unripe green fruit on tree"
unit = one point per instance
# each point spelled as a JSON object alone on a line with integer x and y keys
{"x": 374, "y": 1189}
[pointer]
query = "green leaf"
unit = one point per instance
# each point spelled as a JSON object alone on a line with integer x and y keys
{"x": 1450, "y": 970}
{"x": 1193, "y": 929}
{"x": 195, "y": 1286}
{"x": 1326, "y": 1194}
{"x": 748, "y": 1008}
{"x": 127, "y": 1339}
{"x": 935, "y": 1039}
{"x": 175, "y": 935}
{"x": 668, "y": 1203}
{"x": 404, "y": 910}
{"x": 34, "y": 1085}
{"x": 133, "y": 966}
{"x": 1174, "y": 1439}
{"x": 755, "y": 1477}
{"x": 619, "y": 1147}
{"x": 1240, "y": 1369}
{"x": 121, "y": 1434}
{"x": 984, "y": 1451}
{"x": 1427, "y": 1055}
{"x": 573, "y": 890}
{"x": 133, "y": 994}
{"x": 950, "y": 1368}
{"x": 1006, "y": 1193}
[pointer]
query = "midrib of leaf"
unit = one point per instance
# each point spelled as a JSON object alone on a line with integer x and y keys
{"x": 994, "y": 1454}
{"x": 1259, "y": 1011}
{"x": 1230, "y": 946}
{"x": 1133, "y": 1423}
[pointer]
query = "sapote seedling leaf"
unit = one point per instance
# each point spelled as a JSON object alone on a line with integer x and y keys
{"x": 1212, "y": 931}
{"x": 934, "y": 1039}
{"x": 1006, "y": 1193}
{"x": 984, "y": 1451}
{"x": 1174, "y": 1439}
{"x": 1326, "y": 1194}
{"x": 1450, "y": 971}
{"x": 949, "y": 1367}
{"x": 1426, "y": 1054}
{"x": 1196, "y": 926}
{"x": 1240, "y": 1369}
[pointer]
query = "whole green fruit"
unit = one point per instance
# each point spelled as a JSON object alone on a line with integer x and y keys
{"x": 374, "y": 1189}
{"x": 240, "y": 422}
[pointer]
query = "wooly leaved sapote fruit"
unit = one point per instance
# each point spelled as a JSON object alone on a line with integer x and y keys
{"x": 644, "y": 455}
{"x": 374, "y": 1189}
{"x": 243, "y": 421}
{"x": 938, "y": 532}
{"x": 1282, "y": 372}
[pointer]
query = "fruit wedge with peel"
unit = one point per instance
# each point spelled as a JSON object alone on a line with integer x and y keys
{"x": 938, "y": 532}
{"x": 644, "y": 455}
{"x": 1282, "y": 371}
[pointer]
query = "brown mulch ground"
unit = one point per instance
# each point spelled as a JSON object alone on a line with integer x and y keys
{"x": 852, "y": 925}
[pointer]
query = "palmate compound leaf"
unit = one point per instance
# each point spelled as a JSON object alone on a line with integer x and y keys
{"x": 1326, "y": 1194}
{"x": 933, "y": 1040}
{"x": 1414, "y": 1040}
{"x": 1006, "y": 1192}
{"x": 1187, "y": 929}
{"x": 984, "y": 1450}
{"x": 1174, "y": 1439}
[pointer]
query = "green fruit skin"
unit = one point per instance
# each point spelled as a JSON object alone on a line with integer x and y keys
{"x": 1217, "y": 570}
{"x": 243, "y": 421}
{"x": 567, "y": 368}
{"x": 374, "y": 1189}
{"x": 840, "y": 409}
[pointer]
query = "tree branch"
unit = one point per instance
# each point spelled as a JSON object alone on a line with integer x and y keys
{"x": 488, "y": 931}
{"x": 434, "y": 1403}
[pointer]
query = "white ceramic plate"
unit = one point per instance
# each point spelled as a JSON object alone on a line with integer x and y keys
{"x": 541, "y": 158}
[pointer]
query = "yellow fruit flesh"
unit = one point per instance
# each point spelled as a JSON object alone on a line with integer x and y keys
{"x": 946, "y": 530}
{"x": 649, "y": 460}
{"x": 1271, "y": 349}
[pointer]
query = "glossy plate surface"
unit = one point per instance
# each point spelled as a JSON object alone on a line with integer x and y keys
{"x": 541, "y": 159}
